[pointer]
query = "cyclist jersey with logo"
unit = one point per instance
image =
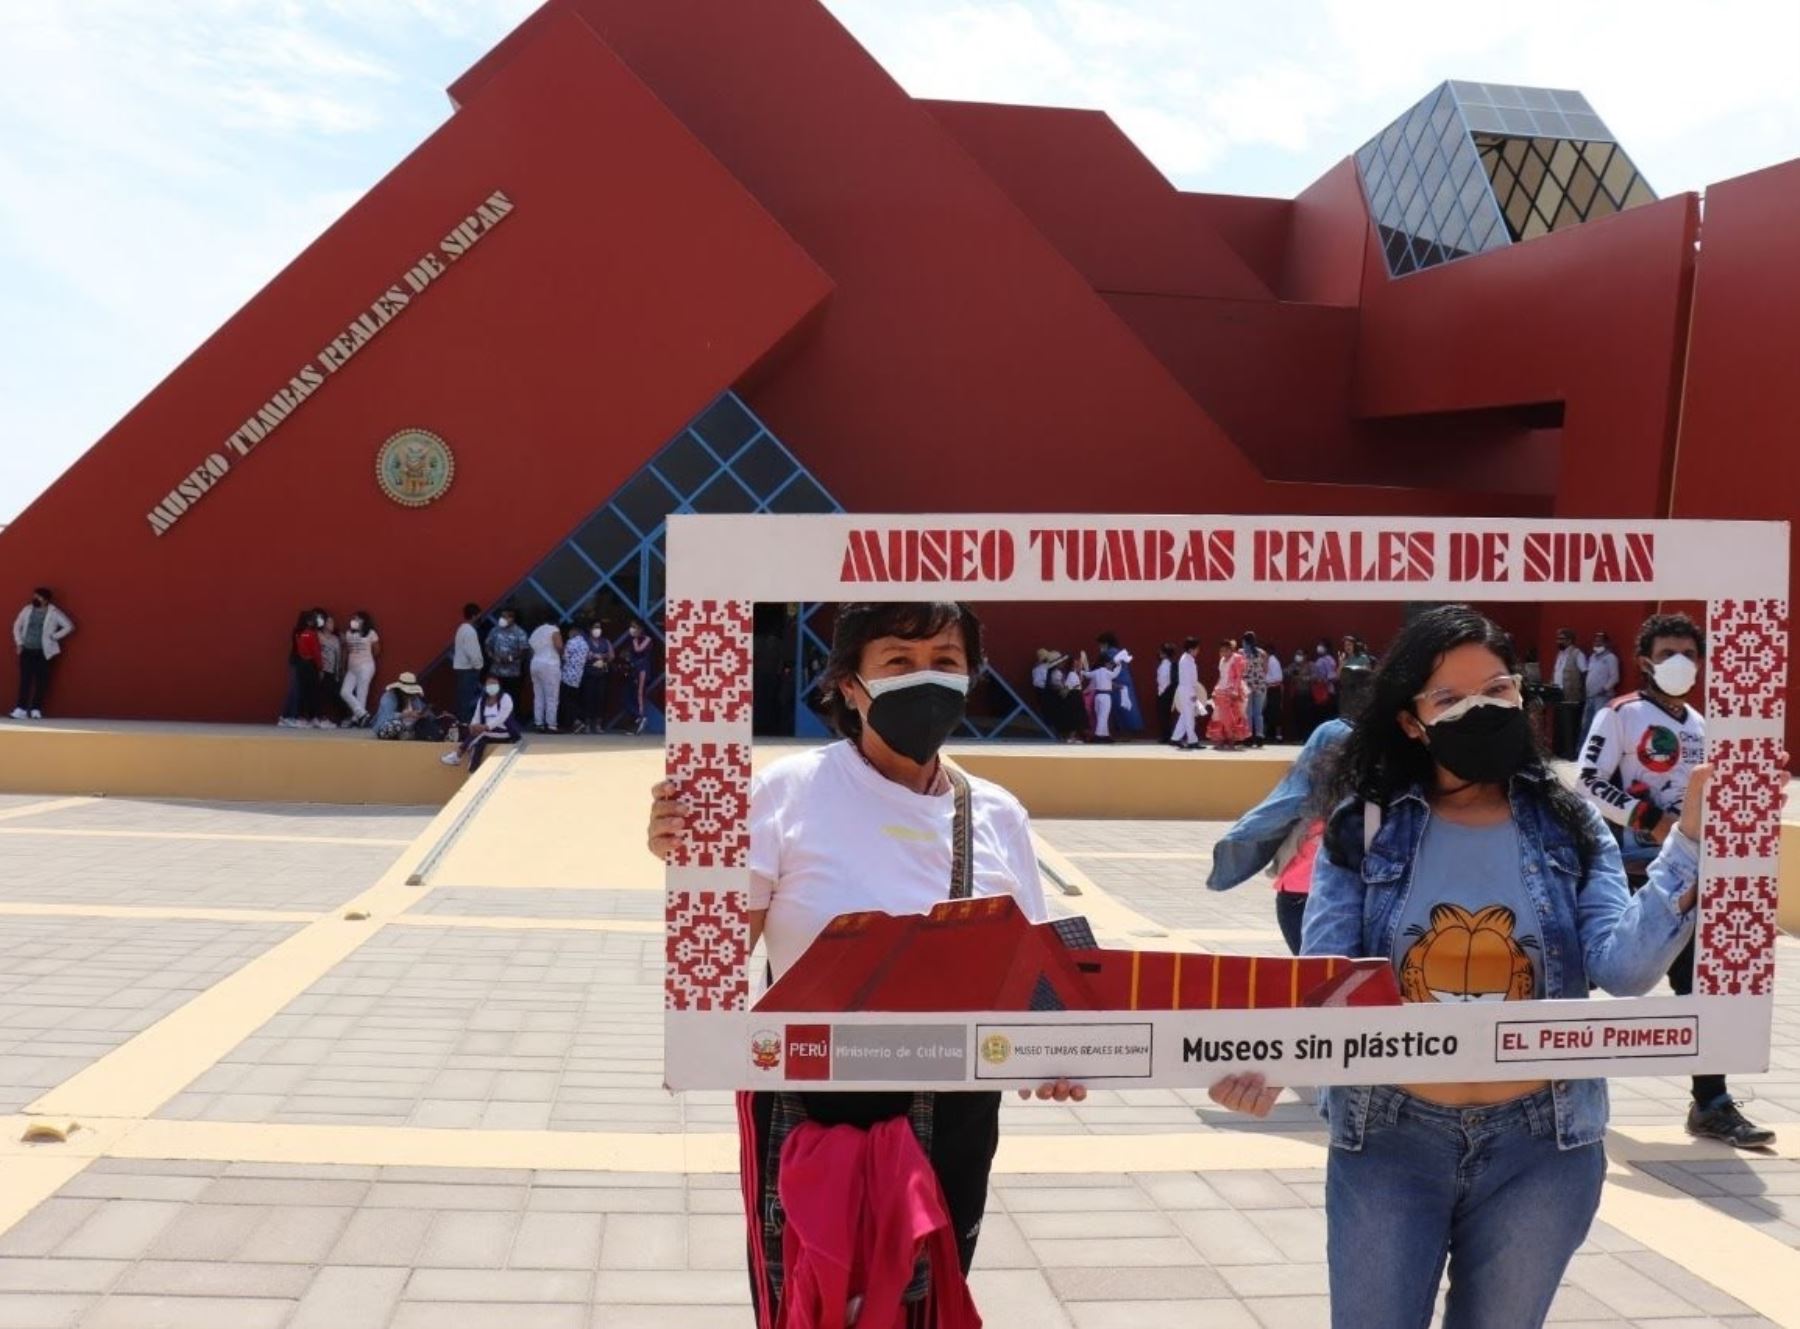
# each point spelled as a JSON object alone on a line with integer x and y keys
{"x": 1637, "y": 759}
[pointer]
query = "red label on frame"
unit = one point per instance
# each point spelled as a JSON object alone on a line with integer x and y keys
{"x": 808, "y": 1051}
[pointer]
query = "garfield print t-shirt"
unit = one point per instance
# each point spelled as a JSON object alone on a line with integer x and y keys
{"x": 1468, "y": 930}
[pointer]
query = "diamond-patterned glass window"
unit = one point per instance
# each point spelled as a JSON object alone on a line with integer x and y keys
{"x": 726, "y": 460}
{"x": 1478, "y": 166}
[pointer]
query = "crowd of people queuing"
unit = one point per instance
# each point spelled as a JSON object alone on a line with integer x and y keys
{"x": 580, "y": 680}
{"x": 1254, "y": 696}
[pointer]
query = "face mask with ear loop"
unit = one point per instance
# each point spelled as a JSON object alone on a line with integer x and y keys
{"x": 1675, "y": 676}
{"x": 1483, "y": 740}
{"x": 914, "y": 713}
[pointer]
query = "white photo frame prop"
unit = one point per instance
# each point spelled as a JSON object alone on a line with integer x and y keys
{"x": 719, "y": 566}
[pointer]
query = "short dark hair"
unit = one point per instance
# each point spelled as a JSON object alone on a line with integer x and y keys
{"x": 860, "y": 622}
{"x": 1108, "y": 639}
{"x": 44, "y": 591}
{"x": 1170, "y": 648}
{"x": 471, "y": 610}
{"x": 1190, "y": 643}
{"x": 1668, "y": 625}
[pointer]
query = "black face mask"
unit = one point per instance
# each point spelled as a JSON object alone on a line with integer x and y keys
{"x": 914, "y": 713}
{"x": 1483, "y": 745}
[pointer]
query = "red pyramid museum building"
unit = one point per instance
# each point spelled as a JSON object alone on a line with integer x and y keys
{"x": 706, "y": 255}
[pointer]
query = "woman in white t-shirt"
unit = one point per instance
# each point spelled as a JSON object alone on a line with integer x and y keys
{"x": 546, "y": 676}
{"x": 492, "y": 722}
{"x": 866, "y": 824}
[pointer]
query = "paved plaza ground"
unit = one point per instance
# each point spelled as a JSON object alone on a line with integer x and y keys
{"x": 449, "y": 1115}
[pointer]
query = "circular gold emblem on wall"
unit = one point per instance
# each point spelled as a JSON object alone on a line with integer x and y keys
{"x": 414, "y": 468}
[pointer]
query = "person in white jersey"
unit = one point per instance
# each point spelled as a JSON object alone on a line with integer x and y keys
{"x": 546, "y": 675}
{"x": 1188, "y": 696}
{"x": 868, "y": 823}
{"x": 1635, "y": 766}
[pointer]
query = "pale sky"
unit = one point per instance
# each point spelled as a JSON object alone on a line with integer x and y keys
{"x": 161, "y": 159}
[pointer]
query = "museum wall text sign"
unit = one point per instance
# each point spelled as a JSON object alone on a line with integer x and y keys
{"x": 336, "y": 353}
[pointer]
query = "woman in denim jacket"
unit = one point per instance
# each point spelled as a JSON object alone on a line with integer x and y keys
{"x": 1486, "y": 879}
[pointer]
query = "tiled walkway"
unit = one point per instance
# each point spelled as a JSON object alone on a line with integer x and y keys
{"x": 453, "y": 1119}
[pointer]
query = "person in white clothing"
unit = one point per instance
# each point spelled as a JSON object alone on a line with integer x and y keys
{"x": 871, "y": 823}
{"x": 1570, "y": 674}
{"x": 1601, "y": 679}
{"x": 38, "y": 632}
{"x": 362, "y": 647}
{"x": 466, "y": 660}
{"x": 491, "y": 722}
{"x": 546, "y": 676}
{"x": 1187, "y": 696}
{"x": 1101, "y": 678}
{"x": 1274, "y": 712}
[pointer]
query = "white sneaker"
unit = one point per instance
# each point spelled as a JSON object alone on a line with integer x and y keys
{"x": 451, "y": 759}
{"x": 37, "y": 714}
{"x": 19, "y": 713}
{"x": 323, "y": 724}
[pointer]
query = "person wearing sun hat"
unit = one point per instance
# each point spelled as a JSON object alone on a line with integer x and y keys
{"x": 402, "y": 703}
{"x": 1047, "y": 660}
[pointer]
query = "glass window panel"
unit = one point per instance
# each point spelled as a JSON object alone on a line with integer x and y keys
{"x": 1383, "y": 203}
{"x": 606, "y": 538}
{"x": 1442, "y": 113}
{"x": 1414, "y": 214}
{"x": 1467, "y": 92}
{"x": 1486, "y": 231}
{"x": 1451, "y": 141}
{"x": 1568, "y": 100}
{"x": 1638, "y": 194}
{"x": 1406, "y": 184}
{"x": 1443, "y": 205}
{"x": 532, "y": 605}
{"x": 1543, "y": 147}
{"x": 1405, "y": 264}
{"x": 764, "y": 466}
{"x": 1588, "y": 127}
{"x": 1517, "y": 122}
{"x": 645, "y": 501}
{"x": 685, "y": 463}
{"x": 1513, "y": 152}
{"x": 1566, "y": 216}
{"x": 1602, "y": 206}
{"x": 1390, "y": 140}
{"x": 1597, "y": 155}
{"x": 1583, "y": 187}
{"x": 1366, "y": 158}
{"x": 1435, "y": 174}
{"x": 1549, "y": 198}
{"x": 1504, "y": 95}
{"x": 1482, "y": 117}
{"x": 1618, "y": 177}
{"x": 1538, "y": 99}
{"x": 655, "y": 574}
{"x": 1518, "y": 208}
{"x": 1474, "y": 190}
{"x": 726, "y": 425}
{"x": 724, "y": 495}
{"x": 1552, "y": 123}
{"x": 802, "y": 496}
{"x": 1562, "y": 161}
{"x": 1531, "y": 173}
{"x": 1535, "y": 225}
{"x": 1396, "y": 246}
{"x": 1415, "y": 123}
{"x": 566, "y": 576}
{"x": 1432, "y": 256}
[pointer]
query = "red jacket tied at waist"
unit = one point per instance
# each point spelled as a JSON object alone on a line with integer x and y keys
{"x": 860, "y": 1206}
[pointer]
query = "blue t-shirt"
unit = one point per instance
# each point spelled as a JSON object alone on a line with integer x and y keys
{"x": 1468, "y": 929}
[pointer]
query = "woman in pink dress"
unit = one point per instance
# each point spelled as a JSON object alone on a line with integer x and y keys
{"x": 1230, "y": 725}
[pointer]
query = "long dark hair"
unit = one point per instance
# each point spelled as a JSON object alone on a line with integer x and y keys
{"x": 860, "y": 622}
{"x": 1379, "y": 762}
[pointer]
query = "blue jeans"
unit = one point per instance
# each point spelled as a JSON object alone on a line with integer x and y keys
{"x": 1255, "y": 705}
{"x": 468, "y": 693}
{"x": 1485, "y": 1188}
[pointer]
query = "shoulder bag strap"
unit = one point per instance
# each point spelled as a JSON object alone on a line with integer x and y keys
{"x": 962, "y": 838}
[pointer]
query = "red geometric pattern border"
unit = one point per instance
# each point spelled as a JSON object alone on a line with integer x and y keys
{"x": 708, "y": 661}
{"x": 1744, "y": 799}
{"x": 1747, "y": 669}
{"x": 708, "y": 951}
{"x": 1736, "y": 956}
{"x": 714, "y": 780}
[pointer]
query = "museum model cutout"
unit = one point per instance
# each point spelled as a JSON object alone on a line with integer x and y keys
{"x": 1037, "y": 1002}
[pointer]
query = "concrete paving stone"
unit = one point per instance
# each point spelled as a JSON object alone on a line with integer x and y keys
{"x": 119, "y": 1312}
{"x": 444, "y": 1195}
{"x": 133, "y": 1186}
{"x": 1624, "y": 1290}
{"x": 460, "y": 1240}
{"x": 1180, "y": 1190}
{"x": 37, "y": 1310}
{"x": 512, "y": 1286}
{"x": 1573, "y": 1303}
{"x": 717, "y": 1241}
{"x": 515, "y": 1117}
{"x": 557, "y": 1241}
{"x": 1251, "y": 1282}
{"x": 382, "y": 1237}
{"x": 1292, "y": 1313}
{"x": 650, "y": 1287}
{"x": 1131, "y": 1223}
{"x": 1690, "y": 1288}
{"x": 46, "y": 1227}
{"x": 1298, "y": 1233}
{"x": 1017, "y": 1299}
{"x": 287, "y": 1191}
{"x": 644, "y": 1241}
{"x": 157, "y": 1167}
{"x": 208, "y": 1232}
{"x": 120, "y": 1230}
{"x": 448, "y": 1114}
{"x": 1224, "y": 1238}
{"x": 23, "y": 1274}
{"x": 209, "y": 1278}
{"x": 460, "y": 1176}
{"x": 487, "y": 1315}
{"x": 295, "y": 1236}
{"x": 1050, "y": 1199}
{"x": 606, "y": 1200}
{"x": 350, "y": 1298}
{"x": 606, "y": 1316}
{"x": 1253, "y": 1190}
{"x": 1060, "y": 1181}
{"x": 1113, "y": 1253}
{"x": 1144, "y": 1314}
{"x": 1166, "y": 1283}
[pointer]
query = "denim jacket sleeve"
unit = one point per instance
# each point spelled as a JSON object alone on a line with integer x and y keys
{"x": 1628, "y": 941}
{"x": 1251, "y": 844}
{"x": 1333, "y": 923}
